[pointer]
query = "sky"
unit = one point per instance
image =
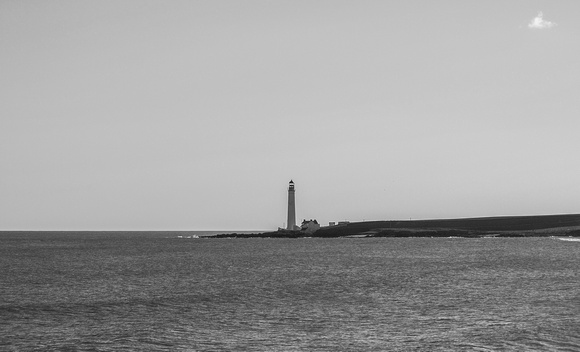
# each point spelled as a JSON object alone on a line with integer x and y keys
{"x": 195, "y": 115}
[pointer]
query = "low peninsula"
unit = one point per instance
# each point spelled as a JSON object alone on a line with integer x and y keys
{"x": 503, "y": 226}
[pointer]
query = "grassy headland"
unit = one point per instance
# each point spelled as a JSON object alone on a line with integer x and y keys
{"x": 504, "y": 226}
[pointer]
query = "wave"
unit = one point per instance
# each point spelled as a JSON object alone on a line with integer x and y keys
{"x": 570, "y": 239}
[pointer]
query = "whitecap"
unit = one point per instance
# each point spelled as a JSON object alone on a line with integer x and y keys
{"x": 569, "y": 239}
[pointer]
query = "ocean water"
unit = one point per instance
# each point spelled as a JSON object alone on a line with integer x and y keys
{"x": 159, "y": 292}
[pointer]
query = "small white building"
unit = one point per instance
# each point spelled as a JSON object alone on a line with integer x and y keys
{"x": 309, "y": 226}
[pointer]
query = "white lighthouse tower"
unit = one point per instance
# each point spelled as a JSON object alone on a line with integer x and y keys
{"x": 291, "y": 207}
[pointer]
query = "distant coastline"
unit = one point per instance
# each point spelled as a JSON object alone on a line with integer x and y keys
{"x": 504, "y": 226}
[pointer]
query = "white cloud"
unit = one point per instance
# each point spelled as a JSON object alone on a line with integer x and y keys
{"x": 539, "y": 23}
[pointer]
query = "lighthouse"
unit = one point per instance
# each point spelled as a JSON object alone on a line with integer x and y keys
{"x": 291, "y": 207}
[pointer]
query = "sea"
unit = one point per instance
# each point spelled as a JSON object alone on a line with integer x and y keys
{"x": 171, "y": 291}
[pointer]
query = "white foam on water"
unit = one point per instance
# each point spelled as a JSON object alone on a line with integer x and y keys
{"x": 569, "y": 239}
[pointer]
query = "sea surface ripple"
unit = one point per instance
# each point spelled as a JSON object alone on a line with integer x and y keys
{"x": 159, "y": 292}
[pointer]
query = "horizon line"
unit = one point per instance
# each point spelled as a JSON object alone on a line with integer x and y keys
{"x": 245, "y": 230}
